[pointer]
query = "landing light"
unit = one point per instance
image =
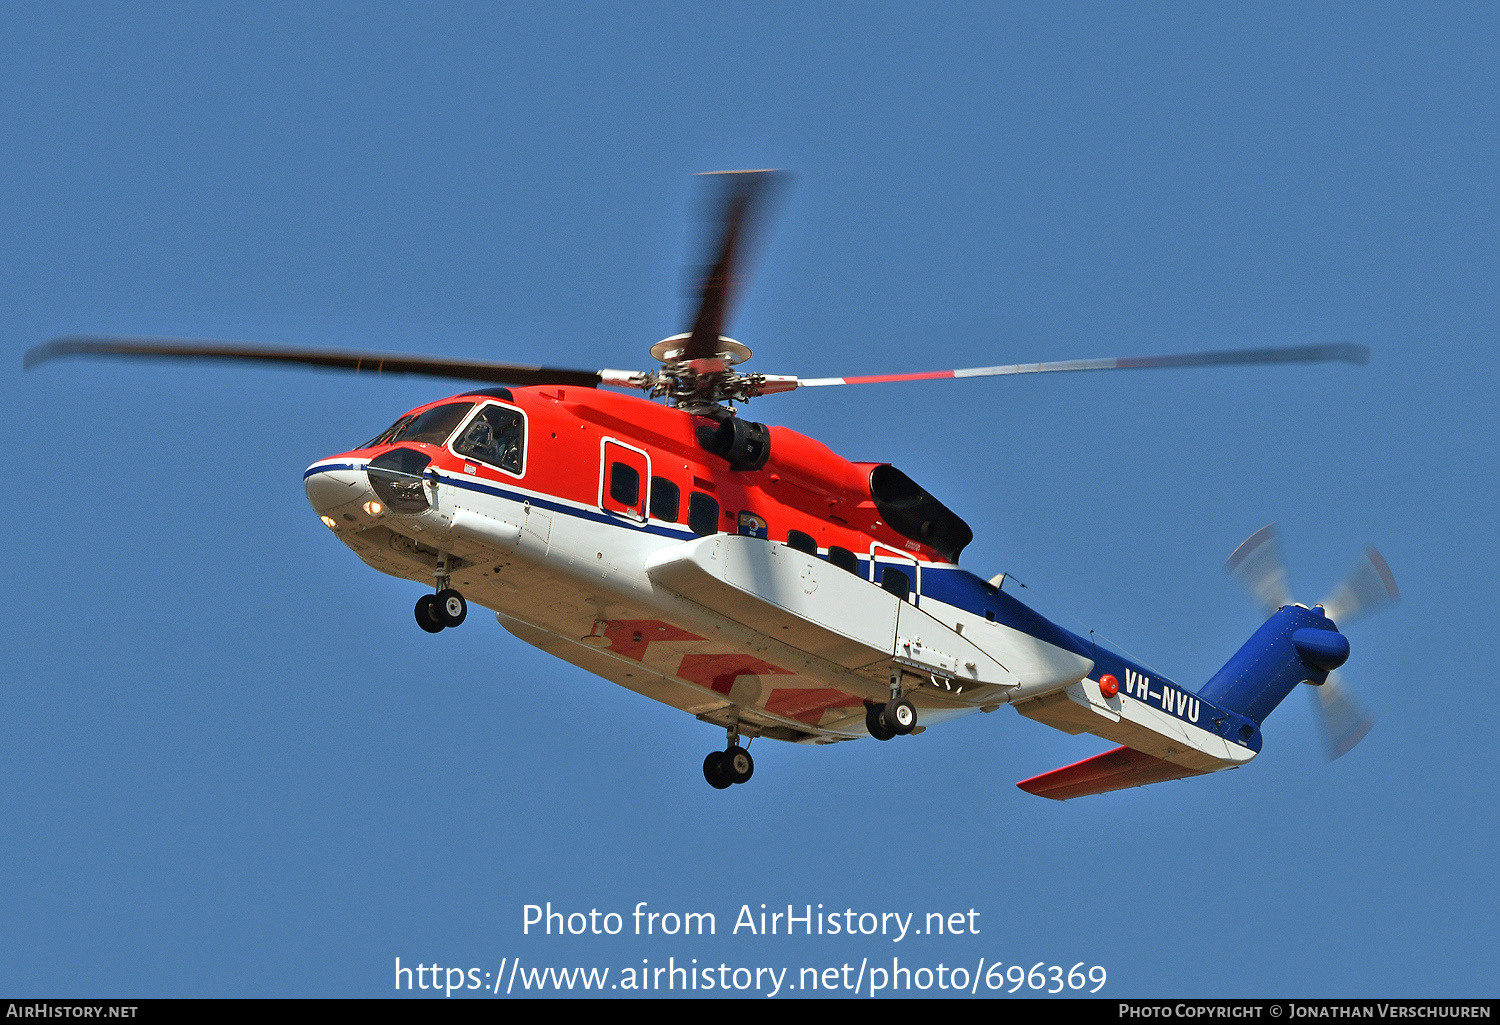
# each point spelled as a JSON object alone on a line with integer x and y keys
{"x": 329, "y": 522}
{"x": 374, "y": 508}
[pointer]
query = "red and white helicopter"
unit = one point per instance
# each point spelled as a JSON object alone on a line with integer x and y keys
{"x": 751, "y": 577}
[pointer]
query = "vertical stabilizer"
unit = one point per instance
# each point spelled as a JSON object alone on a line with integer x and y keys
{"x": 1296, "y": 644}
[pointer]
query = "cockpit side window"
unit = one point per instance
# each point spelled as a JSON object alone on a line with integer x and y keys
{"x": 496, "y": 435}
{"x": 430, "y": 428}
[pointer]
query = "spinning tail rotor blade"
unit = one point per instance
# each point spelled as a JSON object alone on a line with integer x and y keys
{"x": 739, "y": 208}
{"x": 1346, "y": 352}
{"x": 1368, "y": 587}
{"x": 1258, "y": 566}
{"x": 365, "y": 362}
{"x": 1343, "y": 721}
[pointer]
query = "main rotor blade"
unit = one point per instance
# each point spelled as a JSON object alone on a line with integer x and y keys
{"x": 739, "y": 208}
{"x": 1368, "y": 587}
{"x": 1346, "y": 352}
{"x": 1343, "y": 721}
{"x": 1259, "y": 566}
{"x": 378, "y": 363}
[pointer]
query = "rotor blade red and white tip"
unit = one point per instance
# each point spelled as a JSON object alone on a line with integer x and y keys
{"x": 1346, "y": 352}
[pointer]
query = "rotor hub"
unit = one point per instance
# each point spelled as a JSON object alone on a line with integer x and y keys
{"x": 703, "y": 386}
{"x": 669, "y": 351}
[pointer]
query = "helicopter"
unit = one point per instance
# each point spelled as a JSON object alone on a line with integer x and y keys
{"x": 753, "y": 578}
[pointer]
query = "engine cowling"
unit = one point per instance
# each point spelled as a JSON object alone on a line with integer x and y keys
{"x": 744, "y": 443}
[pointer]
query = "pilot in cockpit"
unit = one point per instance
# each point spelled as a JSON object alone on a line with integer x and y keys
{"x": 499, "y": 445}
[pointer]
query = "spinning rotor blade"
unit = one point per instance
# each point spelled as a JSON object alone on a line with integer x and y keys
{"x": 1346, "y": 352}
{"x": 379, "y": 363}
{"x": 1258, "y": 566}
{"x": 739, "y": 207}
{"x": 1342, "y": 719}
{"x": 1368, "y": 587}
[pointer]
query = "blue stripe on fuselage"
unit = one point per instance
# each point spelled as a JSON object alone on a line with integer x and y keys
{"x": 963, "y": 590}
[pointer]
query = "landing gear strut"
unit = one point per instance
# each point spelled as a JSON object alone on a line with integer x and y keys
{"x": 723, "y": 769}
{"x": 444, "y": 609}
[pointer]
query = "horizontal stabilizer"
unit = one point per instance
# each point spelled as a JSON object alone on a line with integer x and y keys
{"x": 1113, "y": 770}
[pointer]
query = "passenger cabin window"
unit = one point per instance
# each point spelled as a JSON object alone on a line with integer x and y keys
{"x": 666, "y": 499}
{"x": 624, "y": 484}
{"x": 844, "y": 559}
{"x": 802, "y": 542}
{"x": 703, "y": 514}
{"x": 496, "y": 436}
{"x": 896, "y": 582}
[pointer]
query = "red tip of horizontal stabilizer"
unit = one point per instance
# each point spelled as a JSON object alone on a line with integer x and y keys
{"x": 1113, "y": 770}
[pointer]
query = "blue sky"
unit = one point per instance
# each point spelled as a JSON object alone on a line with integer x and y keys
{"x": 233, "y": 765}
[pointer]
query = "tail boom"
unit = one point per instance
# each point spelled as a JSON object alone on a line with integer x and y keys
{"x": 1170, "y": 733}
{"x": 1153, "y": 717}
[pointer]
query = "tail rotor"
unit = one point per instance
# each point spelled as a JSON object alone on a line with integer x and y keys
{"x": 1342, "y": 720}
{"x": 1369, "y": 586}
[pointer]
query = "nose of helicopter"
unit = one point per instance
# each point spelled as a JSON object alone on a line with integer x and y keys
{"x": 336, "y": 489}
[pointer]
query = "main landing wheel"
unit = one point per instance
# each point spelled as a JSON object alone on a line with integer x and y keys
{"x": 451, "y": 607}
{"x": 716, "y": 771}
{"x": 739, "y": 764}
{"x": 901, "y": 716}
{"x": 428, "y": 617}
{"x": 875, "y": 721}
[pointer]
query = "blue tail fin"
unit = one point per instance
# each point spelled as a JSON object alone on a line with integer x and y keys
{"x": 1294, "y": 645}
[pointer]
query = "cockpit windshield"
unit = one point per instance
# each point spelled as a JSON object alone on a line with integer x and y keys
{"x": 431, "y": 427}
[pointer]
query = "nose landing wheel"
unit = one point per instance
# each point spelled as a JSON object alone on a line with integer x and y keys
{"x": 451, "y": 607}
{"x": 427, "y": 613}
{"x": 444, "y": 609}
{"x": 436, "y": 611}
